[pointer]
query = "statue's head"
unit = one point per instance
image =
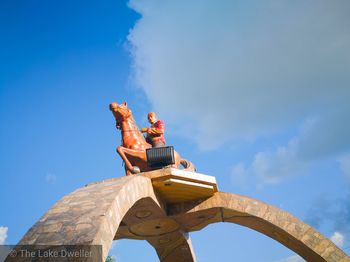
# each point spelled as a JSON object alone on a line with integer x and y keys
{"x": 121, "y": 112}
{"x": 152, "y": 117}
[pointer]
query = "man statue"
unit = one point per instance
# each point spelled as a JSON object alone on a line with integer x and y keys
{"x": 155, "y": 133}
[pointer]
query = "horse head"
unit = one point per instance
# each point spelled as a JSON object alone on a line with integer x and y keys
{"x": 121, "y": 112}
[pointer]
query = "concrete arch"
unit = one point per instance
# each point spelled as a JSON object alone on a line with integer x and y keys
{"x": 128, "y": 207}
{"x": 92, "y": 215}
{"x": 259, "y": 216}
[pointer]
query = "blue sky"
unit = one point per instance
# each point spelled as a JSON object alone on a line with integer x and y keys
{"x": 254, "y": 93}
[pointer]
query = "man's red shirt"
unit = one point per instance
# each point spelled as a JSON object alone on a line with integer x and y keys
{"x": 160, "y": 128}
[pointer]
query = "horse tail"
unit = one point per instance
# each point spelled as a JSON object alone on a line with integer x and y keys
{"x": 188, "y": 166}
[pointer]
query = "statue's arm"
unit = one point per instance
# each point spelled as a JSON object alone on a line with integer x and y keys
{"x": 155, "y": 131}
{"x": 158, "y": 129}
{"x": 152, "y": 130}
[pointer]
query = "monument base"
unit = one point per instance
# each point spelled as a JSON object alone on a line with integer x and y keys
{"x": 176, "y": 186}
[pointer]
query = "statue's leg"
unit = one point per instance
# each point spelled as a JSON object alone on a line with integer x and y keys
{"x": 128, "y": 166}
{"x": 130, "y": 169}
{"x": 127, "y": 172}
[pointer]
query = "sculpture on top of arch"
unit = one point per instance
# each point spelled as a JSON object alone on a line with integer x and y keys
{"x": 161, "y": 204}
{"x": 134, "y": 145}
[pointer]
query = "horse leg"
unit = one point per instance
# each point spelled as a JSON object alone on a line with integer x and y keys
{"x": 127, "y": 172}
{"x": 130, "y": 169}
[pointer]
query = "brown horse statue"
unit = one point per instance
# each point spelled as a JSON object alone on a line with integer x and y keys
{"x": 134, "y": 145}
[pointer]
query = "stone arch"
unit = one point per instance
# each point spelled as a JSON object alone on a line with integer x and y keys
{"x": 128, "y": 207}
{"x": 268, "y": 220}
{"x": 92, "y": 215}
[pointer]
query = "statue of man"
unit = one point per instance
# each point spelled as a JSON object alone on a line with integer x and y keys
{"x": 155, "y": 133}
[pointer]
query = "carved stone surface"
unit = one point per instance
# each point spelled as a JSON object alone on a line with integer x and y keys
{"x": 128, "y": 207}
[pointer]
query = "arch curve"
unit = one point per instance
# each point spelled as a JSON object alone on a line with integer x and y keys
{"x": 266, "y": 219}
{"x": 93, "y": 214}
{"x": 128, "y": 207}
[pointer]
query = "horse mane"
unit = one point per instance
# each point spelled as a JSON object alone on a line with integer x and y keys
{"x": 136, "y": 128}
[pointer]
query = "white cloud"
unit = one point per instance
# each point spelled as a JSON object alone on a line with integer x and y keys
{"x": 3, "y": 234}
{"x": 314, "y": 141}
{"x": 236, "y": 70}
{"x": 338, "y": 239}
{"x": 272, "y": 166}
{"x": 50, "y": 178}
{"x": 294, "y": 258}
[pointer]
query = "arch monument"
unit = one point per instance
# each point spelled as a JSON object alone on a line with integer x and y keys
{"x": 162, "y": 207}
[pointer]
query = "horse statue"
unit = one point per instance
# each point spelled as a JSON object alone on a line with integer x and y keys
{"x": 134, "y": 145}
